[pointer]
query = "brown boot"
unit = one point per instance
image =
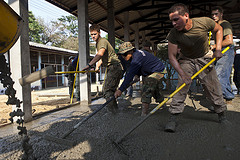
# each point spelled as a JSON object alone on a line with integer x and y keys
{"x": 145, "y": 107}
{"x": 112, "y": 106}
{"x": 222, "y": 118}
{"x": 172, "y": 123}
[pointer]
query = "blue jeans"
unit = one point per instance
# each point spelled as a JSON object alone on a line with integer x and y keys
{"x": 224, "y": 68}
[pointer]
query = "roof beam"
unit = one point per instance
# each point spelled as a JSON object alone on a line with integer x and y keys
{"x": 123, "y": 10}
{"x": 159, "y": 19}
{"x": 152, "y": 7}
{"x": 150, "y": 27}
{"x": 60, "y": 5}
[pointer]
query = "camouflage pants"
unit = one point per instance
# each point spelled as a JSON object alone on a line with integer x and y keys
{"x": 70, "y": 85}
{"x": 152, "y": 87}
{"x": 114, "y": 74}
{"x": 77, "y": 86}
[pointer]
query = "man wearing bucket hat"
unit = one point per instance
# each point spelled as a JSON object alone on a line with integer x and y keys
{"x": 143, "y": 64}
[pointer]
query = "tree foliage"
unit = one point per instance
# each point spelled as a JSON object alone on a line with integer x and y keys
{"x": 36, "y": 29}
{"x": 61, "y": 33}
{"x": 65, "y": 32}
{"x": 68, "y": 25}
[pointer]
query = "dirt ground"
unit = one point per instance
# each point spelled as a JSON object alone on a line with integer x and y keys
{"x": 199, "y": 136}
{"x": 42, "y": 101}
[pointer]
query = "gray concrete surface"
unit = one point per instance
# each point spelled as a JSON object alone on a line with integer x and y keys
{"x": 199, "y": 136}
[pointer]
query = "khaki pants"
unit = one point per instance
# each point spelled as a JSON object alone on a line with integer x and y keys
{"x": 208, "y": 78}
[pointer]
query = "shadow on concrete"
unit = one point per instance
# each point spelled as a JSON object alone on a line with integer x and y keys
{"x": 198, "y": 135}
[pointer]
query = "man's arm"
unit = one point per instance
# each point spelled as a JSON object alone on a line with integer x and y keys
{"x": 172, "y": 53}
{"x": 99, "y": 63}
{"x": 133, "y": 69}
{"x": 219, "y": 36}
{"x": 228, "y": 40}
{"x": 97, "y": 57}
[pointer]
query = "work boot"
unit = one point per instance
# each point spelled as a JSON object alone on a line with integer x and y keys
{"x": 211, "y": 108}
{"x": 145, "y": 107}
{"x": 171, "y": 125}
{"x": 112, "y": 107}
{"x": 222, "y": 118}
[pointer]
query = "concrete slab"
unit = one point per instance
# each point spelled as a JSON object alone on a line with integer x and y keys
{"x": 199, "y": 135}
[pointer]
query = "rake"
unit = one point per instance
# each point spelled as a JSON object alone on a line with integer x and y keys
{"x": 63, "y": 140}
{"x": 119, "y": 140}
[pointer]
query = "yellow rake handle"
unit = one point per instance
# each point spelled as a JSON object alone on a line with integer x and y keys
{"x": 69, "y": 72}
{"x": 210, "y": 34}
{"x": 163, "y": 102}
{"x": 184, "y": 84}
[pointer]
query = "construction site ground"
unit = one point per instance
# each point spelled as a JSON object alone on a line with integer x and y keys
{"x": 199, "y": 136}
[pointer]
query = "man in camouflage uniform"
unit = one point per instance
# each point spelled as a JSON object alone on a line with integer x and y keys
{"x": 106, "y": 57}
{"x": 143, "y": 64}
{"x": 70, "y": 76}
{"x": 77, "y": 80}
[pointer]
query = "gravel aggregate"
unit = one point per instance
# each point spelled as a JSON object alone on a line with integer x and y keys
{"x": 199, "y": 136}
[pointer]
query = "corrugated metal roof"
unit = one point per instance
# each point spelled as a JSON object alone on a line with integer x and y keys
{"x": 51, "y": 47}
{"x": 150, "y": 15}
{"x": 54, "y": 49}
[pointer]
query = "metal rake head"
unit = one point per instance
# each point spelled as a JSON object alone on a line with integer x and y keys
{"x": 120, "y": 148}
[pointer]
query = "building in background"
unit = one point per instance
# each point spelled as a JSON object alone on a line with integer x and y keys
{"x": 42, "y": 56}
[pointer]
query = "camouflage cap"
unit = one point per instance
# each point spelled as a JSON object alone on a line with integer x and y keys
{"x": 125, "y": 47}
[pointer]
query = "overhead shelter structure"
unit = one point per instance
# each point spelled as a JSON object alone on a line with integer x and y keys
{"x": 149, "y": 17}
{"x": 129, "y": 20}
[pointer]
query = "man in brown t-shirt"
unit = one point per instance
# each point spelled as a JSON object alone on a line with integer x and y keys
{"x": 191, "y": 36}
{"x": 224, "y": 65}
{"x": 106, "y": 57}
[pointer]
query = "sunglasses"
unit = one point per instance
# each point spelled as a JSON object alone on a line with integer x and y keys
{"x": 93, "y": 34}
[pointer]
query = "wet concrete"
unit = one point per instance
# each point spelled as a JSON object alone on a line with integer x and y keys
{"x": 199, "y": 136}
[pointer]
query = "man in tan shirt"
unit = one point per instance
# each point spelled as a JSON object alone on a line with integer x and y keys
{"x": 224, "y": 65}
{"x": 191, "y": 36}
{"x": 106, "y": 57}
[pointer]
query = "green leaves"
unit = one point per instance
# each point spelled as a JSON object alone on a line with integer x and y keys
{"x": 62, "y": 33}
{"x": 35, "y": 29}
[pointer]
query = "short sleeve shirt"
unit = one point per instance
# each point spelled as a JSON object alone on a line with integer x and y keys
{"x": 109, "y": 57}
{"x": 227, "y": 28}
{"x": 194, "y": 42}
